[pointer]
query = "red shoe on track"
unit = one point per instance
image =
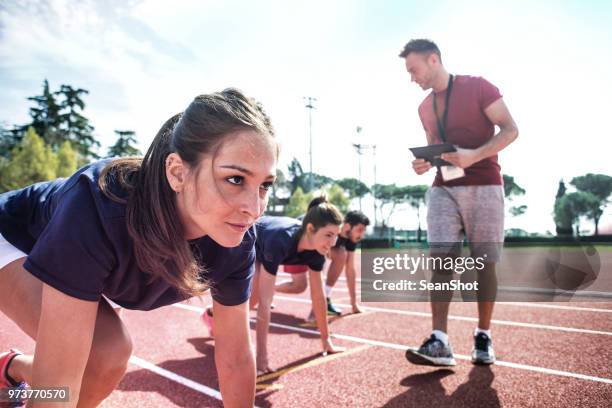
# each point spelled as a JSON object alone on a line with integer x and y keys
{"x": 6, "y": 382}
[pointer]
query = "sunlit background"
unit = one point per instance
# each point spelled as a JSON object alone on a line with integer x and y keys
{"x": 143, "y": 61}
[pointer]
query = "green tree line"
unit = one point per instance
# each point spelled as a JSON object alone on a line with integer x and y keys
{"x": 56, "y": 141}
{"x": 59, "y": 138}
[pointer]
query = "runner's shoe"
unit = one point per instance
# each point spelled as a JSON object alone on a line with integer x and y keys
{"x": 207, "y": 318}
{"x": 432, "y": 352}
{"x": 331, "y": 309}
{"x": 6, "y": 382}
{"x": 483, "y": 353}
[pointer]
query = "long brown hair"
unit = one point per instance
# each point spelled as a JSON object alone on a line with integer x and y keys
{"x": 151, "y": 213}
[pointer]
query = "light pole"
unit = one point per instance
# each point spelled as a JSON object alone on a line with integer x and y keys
{"x": 309, "y": 100}
{"x": 360, "y": 148}
{"x": 374, "y": 185}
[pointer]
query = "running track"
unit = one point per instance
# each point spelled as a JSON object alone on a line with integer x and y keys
{"x": 550, "y": 355}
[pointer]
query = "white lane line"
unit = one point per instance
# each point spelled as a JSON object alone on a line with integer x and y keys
{"x": 461, "y": 318}
{"x": 558, "y": 292}
{"x": 196, "y": 386}
{"x": 459, "y": 356}
{"x": 560, "y": 307}
{"x": 403, "y": 347}
{"x": 211, "y": 392}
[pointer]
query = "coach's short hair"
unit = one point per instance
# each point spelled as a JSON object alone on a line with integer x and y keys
{"x": 420, "y": 46}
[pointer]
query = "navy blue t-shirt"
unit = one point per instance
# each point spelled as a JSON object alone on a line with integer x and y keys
{"x": 277, "y": 245}
{"x": 346, "y": 243}
{"x": 77, "y": 241}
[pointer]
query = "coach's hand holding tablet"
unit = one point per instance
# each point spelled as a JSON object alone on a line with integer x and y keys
{"x": 449, "y": 159}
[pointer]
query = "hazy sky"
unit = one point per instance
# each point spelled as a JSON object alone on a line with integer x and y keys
{"x": 143, "y": 61}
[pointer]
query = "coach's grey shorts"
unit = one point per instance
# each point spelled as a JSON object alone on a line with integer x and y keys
{"x": 472, "y": 212}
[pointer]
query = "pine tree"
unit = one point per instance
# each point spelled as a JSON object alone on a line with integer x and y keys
{"x": 74, "y": 126}
{"x": 124, "y": 144}
{"x": 45, "y": 116}
{"x": 56, "y": 118}
{"x": 561, "y": 190}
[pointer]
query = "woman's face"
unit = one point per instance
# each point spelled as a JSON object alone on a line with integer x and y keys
{"x": 228, "y": 191}
{"x": 324, "y": 238}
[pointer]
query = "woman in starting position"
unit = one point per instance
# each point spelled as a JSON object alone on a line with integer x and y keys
{"x": 143, "y": 233}
{"x": 287, "y": 241}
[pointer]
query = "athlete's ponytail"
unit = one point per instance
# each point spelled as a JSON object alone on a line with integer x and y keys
{"x": 320, "y": 214}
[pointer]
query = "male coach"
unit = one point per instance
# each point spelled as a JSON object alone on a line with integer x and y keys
{"x": 467, "y": 199}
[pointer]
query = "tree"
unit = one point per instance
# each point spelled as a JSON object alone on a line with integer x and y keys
{"x": 295, "y": 174}
{"x": 570, "y": 207}
{"x": 600, "y": 187}
{"x": 518, "y": 210}
{"x": 56, "y": 118}
{"x": 124, "y": 144}
{"x": 45, "y": 116}
{"x": 389, "y": 196}
{"x": 280, "y": 184}
{"x": 298, "y": 203}
{"x": 319, "y": 182}
{"x": 562, "y": 213}
{"x": 416, "y": 198}
{"x": 31, "y": 161}
{"x": 74, "y": 126}
{"x": 354, "y": 187}
{"x": 561, "y": 190}
{"x": 66, "y": 160}
{"x": 337, "y": 196}
{"x": 298, "y": 178}
{"x": 512, "y": 190}
{"x": 9, "y": 138}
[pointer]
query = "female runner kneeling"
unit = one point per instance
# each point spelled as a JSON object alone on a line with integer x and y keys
{"x": 144, "y": 233}
{"x": 287, "y": 241}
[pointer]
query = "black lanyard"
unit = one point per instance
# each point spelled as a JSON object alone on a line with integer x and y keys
{"x": 442, "y": 124}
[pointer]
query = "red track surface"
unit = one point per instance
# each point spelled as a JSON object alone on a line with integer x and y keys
{"x": 549, "y": 357}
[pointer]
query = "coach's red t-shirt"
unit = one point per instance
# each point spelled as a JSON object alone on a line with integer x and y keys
{"x": 467, "y": 126}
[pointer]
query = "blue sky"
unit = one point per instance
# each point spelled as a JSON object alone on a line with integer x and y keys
{"x": 143, "y": 61}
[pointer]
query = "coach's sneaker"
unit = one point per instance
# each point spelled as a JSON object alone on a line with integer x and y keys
{"x": 432, "y": 352}
{"x": 331, "y": 309}
{"x": 483, "y": 353}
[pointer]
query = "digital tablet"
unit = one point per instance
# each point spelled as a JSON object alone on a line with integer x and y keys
{"x": 432, "y": 153}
